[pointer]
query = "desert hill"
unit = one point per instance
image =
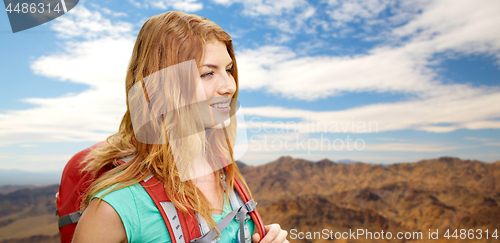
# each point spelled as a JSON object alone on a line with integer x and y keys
{"x": 28, "y": 215}
{"x": 444, "y": 193}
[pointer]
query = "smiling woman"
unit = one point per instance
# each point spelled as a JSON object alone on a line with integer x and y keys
{"x": 218, "y": 86}
{"x": 173, "y": 176}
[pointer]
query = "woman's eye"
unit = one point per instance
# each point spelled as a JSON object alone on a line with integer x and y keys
{"x": 229, "y": 70}
{"x": 207, "y": 74}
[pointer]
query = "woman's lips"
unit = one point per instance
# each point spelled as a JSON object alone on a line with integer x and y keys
{"x": 221, "y": 109}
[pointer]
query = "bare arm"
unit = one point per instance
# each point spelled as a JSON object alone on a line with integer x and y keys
{"x": 100, "y": 223}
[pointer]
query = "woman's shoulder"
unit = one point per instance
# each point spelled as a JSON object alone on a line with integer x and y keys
{"x": 129, "y": 201}
{"x": 123, "y": 198}
{"x": 102, "y": 220}
{"x": 137, "y": 211}
{"x": 121, "y": 191}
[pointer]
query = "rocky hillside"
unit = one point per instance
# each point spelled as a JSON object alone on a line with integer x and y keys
{"x": 444, "y": 193}
{"x": 28, "y": 215}
{"x": 438, "y": 194}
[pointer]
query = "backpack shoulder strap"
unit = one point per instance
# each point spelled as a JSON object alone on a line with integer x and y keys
{"x": 185, "y": 227}
{"x": 240, "y": 188}
{"x": 180, "y": 226}
{"x": 259, "y": 223}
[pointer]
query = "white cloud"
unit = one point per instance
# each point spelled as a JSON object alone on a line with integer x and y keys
{"x": 353, "y": 10}
{"x": 347, "y": 11}
{"x": 137, "y": 4}
{"x": 288, "y": 16}
{"x": 223, "y": 2}
{"x": 301, "y": 16}
{"x": 311, "y": 78}
{"x": 281, "y": 38}
{"x": 270, "y": 7}
{"x": 182, "y": 5}
{"x": 459, "y": 26}
{"x": 404, "y": 69}
{"x": 413, "y": 147}
{"x": 29, "y": 145}
{"x": 295, "y": 142}
{"x": 438, "y": 114}
{"x": 478, "y": 139}
{"x": 80, "y": 22}
{"x": 30, "y": 162}
{"x": 113, "y": 13}
{"x": 374, "y": 15}
{"x": 100, "y": 61}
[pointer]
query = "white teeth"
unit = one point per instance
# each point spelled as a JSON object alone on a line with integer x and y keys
{"x": 219, "y": 105}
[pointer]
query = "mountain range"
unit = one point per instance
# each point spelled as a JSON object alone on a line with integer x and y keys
{"x": 20, "y": 177}
{"x": 436, "y": 194}
{"x": 303, "y": 196}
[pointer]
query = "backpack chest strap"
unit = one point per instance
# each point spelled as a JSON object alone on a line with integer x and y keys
{"x": 240, "y": 212}
{"x": 203, "y": 233}
{"x": 184, "y": 227}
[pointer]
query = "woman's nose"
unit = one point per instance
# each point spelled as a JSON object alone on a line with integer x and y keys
{"x": 227, "y": 85}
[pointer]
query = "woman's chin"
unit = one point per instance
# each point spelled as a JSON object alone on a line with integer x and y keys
{"x": 221, "y": 125}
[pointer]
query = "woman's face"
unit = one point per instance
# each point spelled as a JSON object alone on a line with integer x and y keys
{"x": 216, "y": 86}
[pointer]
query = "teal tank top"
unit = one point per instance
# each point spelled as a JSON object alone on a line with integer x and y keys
{"x": 144, "y": 223}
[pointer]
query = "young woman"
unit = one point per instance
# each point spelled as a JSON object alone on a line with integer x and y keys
{"x": 182, "y": 89}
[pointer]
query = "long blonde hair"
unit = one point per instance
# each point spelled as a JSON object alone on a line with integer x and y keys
{"x": 164, "y": 40}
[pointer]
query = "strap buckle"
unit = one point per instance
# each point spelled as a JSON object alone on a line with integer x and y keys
{"x": 69, "y": 218}
{"x": 250, "y": 205}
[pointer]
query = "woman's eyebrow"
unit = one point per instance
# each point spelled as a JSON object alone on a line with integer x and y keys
{"x": 215, "y": 66}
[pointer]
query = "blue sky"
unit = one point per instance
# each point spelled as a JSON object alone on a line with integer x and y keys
{"x": 378, "y": 81}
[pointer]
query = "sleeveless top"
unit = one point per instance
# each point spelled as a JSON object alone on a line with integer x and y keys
{"x": 144, "y": 223}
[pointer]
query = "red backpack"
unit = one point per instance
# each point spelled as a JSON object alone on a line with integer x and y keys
{"x": 192, "y": 229}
